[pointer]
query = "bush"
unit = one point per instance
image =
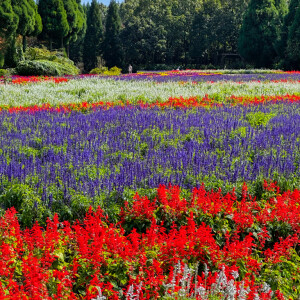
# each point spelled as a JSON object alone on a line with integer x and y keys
{"x": 1, "y": 60}
{"x": 44, "y": 67}
{"x": 29, "y": 67}
{"x": 113, "y": 71}
{"x": 3, "y": 72}
{"x": 29, "y": 206}
{"x": 44, "y": 62}
{"x": 44, "y": 54}
{"x": 104, "y": 71}
{"x": 98, "y": 70}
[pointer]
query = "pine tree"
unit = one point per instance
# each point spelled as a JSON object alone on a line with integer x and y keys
{"x": 293, "y": 42}
{"x": 93, "y": 36}
{"x": 8, "y": 19}
{"x": 29, "y": 19}
{"x": 75, "y": 19}
{"x": 112, "y": 47}
{"x": 38, "y": 25}
{"x": 259, "y": 33}
{"x": 76, "y": 44}
{"x": 54, "y": 18}
{"x": 288, "y": 20}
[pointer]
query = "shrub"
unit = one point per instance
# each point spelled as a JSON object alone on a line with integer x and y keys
{"x": 44, "y": 54}
{"x": 44, "y": 62}
{"x": 257, "y": 119}
{"x": 1, "y": 60}
{"x": 100, "y": 70}
{"x": 44, "y": 67}
{"x": 28, "y": 204}
{"x": 104, "y": 71}
{"x": 114, "y": 71}
{"x": 3, "y": 72}
{"x": 31, "y": 67}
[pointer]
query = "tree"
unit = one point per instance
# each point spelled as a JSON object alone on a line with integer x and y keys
{"x": 93, "y": 37}
{"x": 287, "y": 22}
{"x": 178, "y": 23}
{"x": 9, "y": 23}
{"x": 76, "y": 21}
{"x": 293, "y": 42}
{"x": 29, "y": 20}
{"x": 77, "y": 44}
{"x": 112, "y": 47}
{"x": 8, "y": 19}
{"x": 54, "y": 18}
{"x": 259, "y": 33}
{"x": 205, "y": 41}
{"x": 144, "y": 37}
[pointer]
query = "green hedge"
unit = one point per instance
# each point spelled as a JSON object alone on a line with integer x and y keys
{"x": 44, "y": 67}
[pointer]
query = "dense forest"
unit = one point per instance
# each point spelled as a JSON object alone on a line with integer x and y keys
{"x": 155, "y": 34}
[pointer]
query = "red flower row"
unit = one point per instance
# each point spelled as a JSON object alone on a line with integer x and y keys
{"x": 172, "y": 102}
{"x": 138, "y": 255}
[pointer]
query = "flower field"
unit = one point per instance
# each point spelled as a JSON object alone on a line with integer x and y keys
{"x": 171, "y": 185}
{"x": 32, "y": 91}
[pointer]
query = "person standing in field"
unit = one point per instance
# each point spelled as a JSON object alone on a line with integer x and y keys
{"x": 130, "y": 69}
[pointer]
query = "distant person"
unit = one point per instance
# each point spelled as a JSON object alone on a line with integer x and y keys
{"x": 130, "y": 69}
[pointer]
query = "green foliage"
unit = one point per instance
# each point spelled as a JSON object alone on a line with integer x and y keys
{"x": 29, "y": 19}
{"x": 288, "y": 21}
{"x": 29, "y": 206}
{"x": 1, "y": 60}
{"x": 99, "y": 70}
{"x": 284, "y": 275}
{"x": 44, "y": 67}
{"x": 104, "y": 71}
{"x": 112, "y": 49}
{"x": 76, "y": 20}
{"x": 93, "y": 37}
{"x": 8, "y": 19}
{"x": 44, "y": 62}
{"x": 257, "y": 119}
{"x": 3, "y": 72}
{"x": 14, "y": 53}
{"x": 293, "y": 42}
{"x": 113, "y": 71}
{"x": 54, "y": 18}
{"x": 29, "y": 68}
{"x": 259, "y": 33}
{"x": 240, "y": 132}
{"x": 44, "y": 54}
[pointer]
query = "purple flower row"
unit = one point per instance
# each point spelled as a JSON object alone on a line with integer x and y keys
{"x": 107, "y": 151}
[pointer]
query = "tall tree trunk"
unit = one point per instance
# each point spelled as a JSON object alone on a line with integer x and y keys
{"x": 24, "y": 43}
{"x": 50, "y": 43}
{"x": 68, "y": 49}
{"x": 62, "y": 42}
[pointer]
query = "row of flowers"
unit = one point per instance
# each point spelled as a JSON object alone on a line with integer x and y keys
{"x": 172, "y": 102}
{"x": 162, "y": 76}
{"x": 32, "y": 79}
{"x": 191, "y": 246}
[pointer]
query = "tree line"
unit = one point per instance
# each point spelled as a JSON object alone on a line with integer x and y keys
{"x": 157, "y": 33}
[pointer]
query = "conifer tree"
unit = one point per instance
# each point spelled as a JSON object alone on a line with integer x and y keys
{"x": 8, "y": 19}
{"x": 288, "y": 20}
{"x": 293, "y": 42}
{"x": 54, "y": 18}
{"x": 76, "y": 44}
{"x": 75, "y": 19}
{"x": 259, "y": 33}
{"x": 93, "y": 36}
{"x": 30, "y": 22}
{"x": 112, "y": 48}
